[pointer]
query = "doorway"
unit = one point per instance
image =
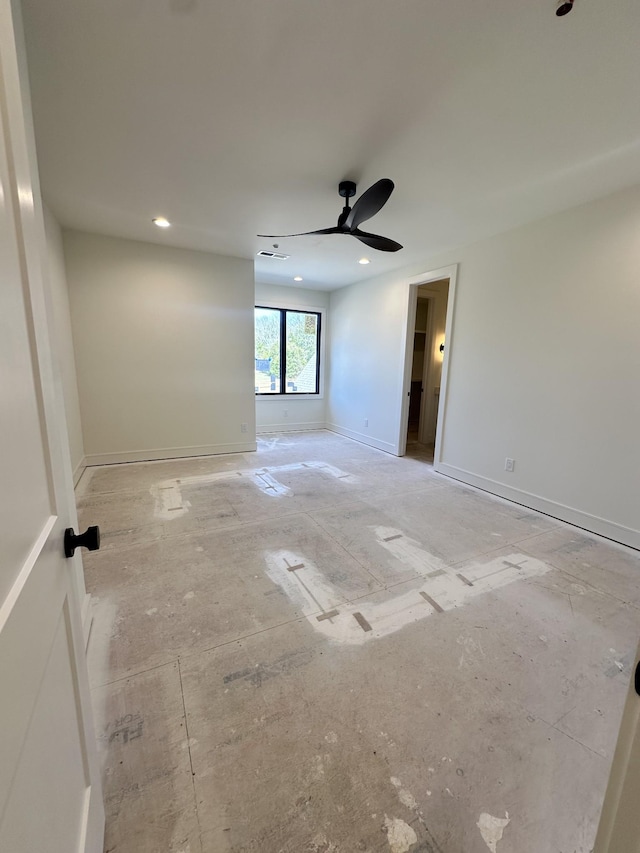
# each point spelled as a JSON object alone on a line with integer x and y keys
{"x": 428, "y": 336}
{"x": 415, "y": 425}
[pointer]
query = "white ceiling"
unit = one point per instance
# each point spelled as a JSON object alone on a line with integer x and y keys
{"x": 240, "y": 117}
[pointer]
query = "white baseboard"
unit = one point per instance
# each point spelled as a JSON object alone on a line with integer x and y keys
{"x": 593, "y": 523}
{"x": 78, "y": 471}
{"x": 363, "y": 438}
{"x": 289, "y": 427}
{"x": 167, "y": 453}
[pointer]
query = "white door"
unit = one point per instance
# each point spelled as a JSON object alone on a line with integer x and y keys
{"x": 50, "y": 796}
{"x": 619, "y": 830}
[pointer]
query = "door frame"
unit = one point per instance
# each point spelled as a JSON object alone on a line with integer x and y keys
{"x": 620, "y": 819}
{"x": 450, "y": 273}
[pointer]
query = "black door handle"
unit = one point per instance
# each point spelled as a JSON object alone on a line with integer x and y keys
{"x": 90, "y": 540}
{"x": 637, "y": 679}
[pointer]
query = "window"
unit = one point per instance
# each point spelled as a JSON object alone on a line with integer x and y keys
{"x": 287, "y": 351}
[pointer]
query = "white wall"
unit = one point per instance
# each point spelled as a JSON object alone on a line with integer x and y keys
{"x": 164, "y": 349}
{"x": 301, "y": 412}
{"x": 366, "y": 360}
{"x": 62, "y": 339}
{"x": 544, "y": 364}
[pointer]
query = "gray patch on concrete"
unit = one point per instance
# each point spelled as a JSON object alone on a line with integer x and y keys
{"x": 264, "y": 671}
{"x": 431, "y": 601}
{"x": 362, "y": 622}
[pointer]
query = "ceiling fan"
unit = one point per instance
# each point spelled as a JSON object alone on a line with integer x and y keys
{"x": 369, "y": 203}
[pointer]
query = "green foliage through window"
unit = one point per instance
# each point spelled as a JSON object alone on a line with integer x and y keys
{"x": 287, "y": 351}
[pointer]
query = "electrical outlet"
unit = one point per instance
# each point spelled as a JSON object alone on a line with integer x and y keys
{"x": 366, "y": 422}
{"x": 509, "y": 464}
{"x": 243, "y": 427}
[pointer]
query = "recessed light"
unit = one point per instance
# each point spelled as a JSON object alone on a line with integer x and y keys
{"x": 161, "y": 222}
{"x": 364, "y": 261}
{"x": 297, "y": 278}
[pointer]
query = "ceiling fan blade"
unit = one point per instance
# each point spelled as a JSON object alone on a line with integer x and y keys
{"x": 333, "y": 230}
{"x": 383, "y": 244}
{"x": 370, "y": 202}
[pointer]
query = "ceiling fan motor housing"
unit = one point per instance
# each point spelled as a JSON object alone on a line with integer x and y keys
{"x": 347, "y": 189}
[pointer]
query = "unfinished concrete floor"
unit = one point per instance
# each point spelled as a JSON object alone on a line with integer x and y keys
{"x": 320, "y": 648}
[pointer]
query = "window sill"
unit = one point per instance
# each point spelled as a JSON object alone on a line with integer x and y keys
{"x": 289, "y": 397}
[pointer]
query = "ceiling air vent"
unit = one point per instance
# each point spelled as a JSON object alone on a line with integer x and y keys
{"x": 278, "y": 256}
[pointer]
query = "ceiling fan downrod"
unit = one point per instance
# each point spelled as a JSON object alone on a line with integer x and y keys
{"x": 346, "y": 190}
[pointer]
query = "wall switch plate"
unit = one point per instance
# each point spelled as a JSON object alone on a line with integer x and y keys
{"x": 509, "y": 464}
{"x": 286, "y": 413}
{"x": 366, "y": 422}
{"x": 243, "y": 427}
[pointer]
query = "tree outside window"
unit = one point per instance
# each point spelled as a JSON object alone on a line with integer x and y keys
{"x": 287, "y": 351}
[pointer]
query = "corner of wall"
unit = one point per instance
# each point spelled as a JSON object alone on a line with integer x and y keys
{"x": 78, "y": 471}
{"x": 62, "y": 337}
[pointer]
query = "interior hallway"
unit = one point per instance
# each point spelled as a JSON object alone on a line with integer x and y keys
{"x": 321, "y": 648}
